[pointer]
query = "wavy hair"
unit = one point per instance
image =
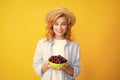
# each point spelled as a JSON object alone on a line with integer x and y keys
{"x": 50, "y": 35}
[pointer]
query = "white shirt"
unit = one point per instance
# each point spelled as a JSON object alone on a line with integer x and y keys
{"x": 44, "y": 51}
{"x": 58, "y": 49}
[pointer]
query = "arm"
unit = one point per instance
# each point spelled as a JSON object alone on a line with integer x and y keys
{"x": 68, "y": 69}
{"x": 38, "y": 59}
{"x": 76, "y": 61}
{"x": 74, "y": 69}
{"x": 45, "y": 67}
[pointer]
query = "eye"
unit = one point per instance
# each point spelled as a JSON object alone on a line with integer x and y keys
{"x": 56, "y": 24}
{"x": 64, "y": 24}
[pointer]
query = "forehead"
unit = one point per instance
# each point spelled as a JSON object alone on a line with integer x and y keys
{"x": 61, "y": 19}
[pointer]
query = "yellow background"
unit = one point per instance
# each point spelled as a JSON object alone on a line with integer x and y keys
{"x": 22, "y": 24}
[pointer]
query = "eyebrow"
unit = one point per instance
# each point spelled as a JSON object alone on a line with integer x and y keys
{"x": 62, "y": 22}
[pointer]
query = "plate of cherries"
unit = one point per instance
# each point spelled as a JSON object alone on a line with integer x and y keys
{"x": 57, "y": 61}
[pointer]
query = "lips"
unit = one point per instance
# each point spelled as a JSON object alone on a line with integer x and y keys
{"x": 59, "y": 31}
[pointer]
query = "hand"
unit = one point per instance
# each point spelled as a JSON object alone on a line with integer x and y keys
{"x": 61, "y": 68}
{"x": 68, "y": 69}
{"x": 45, "y": 67}
{"x": 49, "y": 66}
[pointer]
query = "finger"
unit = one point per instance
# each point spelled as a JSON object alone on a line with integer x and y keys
{"x": 59, "y": 69}
{"x": 54, "y": 68}
{"x": 49, "y": 66}
{"x": 66, "y": 65}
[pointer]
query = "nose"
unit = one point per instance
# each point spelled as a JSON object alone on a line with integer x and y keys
{"x": 60, "y": 25}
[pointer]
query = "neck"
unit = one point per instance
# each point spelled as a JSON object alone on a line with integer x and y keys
{"x": 59, "y": 38}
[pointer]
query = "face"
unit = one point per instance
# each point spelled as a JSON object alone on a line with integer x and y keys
{"x": 60, "y": 27}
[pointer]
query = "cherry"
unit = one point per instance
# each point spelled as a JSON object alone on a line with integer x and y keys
{"x": 57, "y": 59}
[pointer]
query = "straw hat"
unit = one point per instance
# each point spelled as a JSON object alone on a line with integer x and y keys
{"x": 50, "y": 16}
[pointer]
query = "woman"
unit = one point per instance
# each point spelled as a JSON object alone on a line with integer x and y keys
{"x": 58, "y": 42}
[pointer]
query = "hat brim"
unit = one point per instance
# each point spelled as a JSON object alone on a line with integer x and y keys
{"x": 61, "y": 10}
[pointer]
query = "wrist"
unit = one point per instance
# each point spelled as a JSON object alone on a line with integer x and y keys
{"x": 70, "y": 70}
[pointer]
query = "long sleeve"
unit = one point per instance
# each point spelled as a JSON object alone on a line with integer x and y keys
{"x": 38, "y": 59}
{"x": 76, "y": 61}
{"x": 76, "y": 64}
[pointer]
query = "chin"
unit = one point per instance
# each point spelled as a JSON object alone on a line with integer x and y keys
{"x": 60, "y": 34}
